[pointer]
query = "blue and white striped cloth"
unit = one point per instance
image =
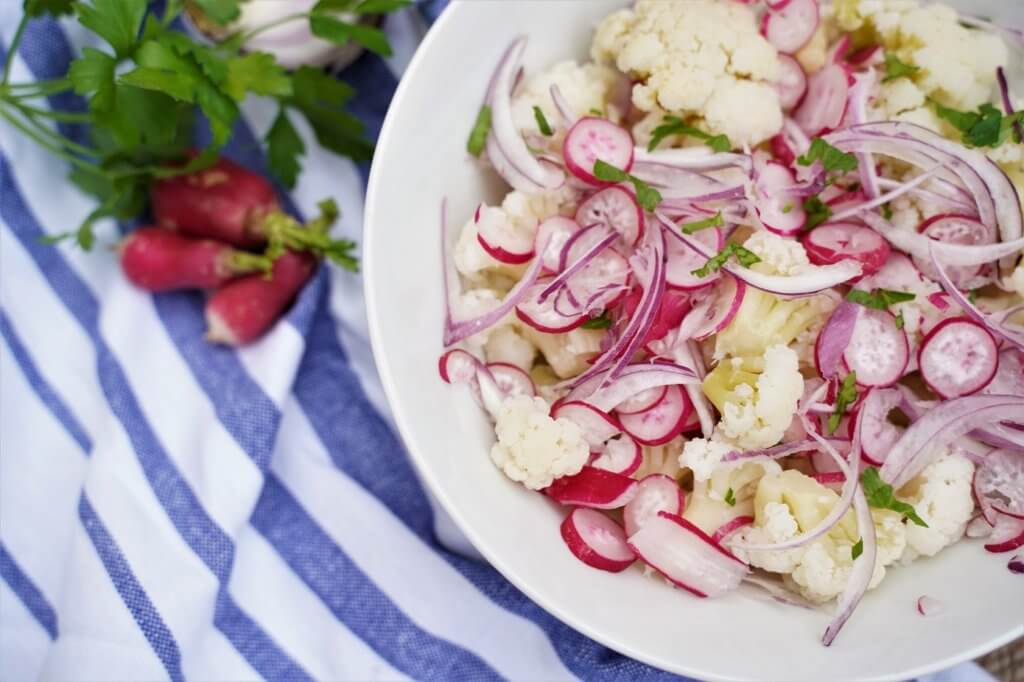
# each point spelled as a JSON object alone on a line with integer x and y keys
{"x": 175, "y": 510}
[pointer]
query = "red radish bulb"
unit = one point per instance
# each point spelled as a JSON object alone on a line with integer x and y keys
{"x": 155, "y": 259}
{"x": 243, "y": 310}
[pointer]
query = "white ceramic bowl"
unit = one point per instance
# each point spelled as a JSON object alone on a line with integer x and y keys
{"x": 421, "y": 158}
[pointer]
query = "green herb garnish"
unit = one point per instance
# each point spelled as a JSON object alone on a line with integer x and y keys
{"x": 542, "y": 123}
{"x": 878, "y": 299}
{"x": 601, "y": 322}
{"x": 745, "y": 257}
{"x": 817, "y": 211}
{"x": 730, "y": 498}
{"x": 646, "y": 196}
{"x": 887, "y": 211}
{"x": 832, "y": 160}
{"x": 478, "y": 136}
{"x": 900, "y": 322}
{"x": 698, "y": 225}
{"x": 880, "y": 496}
{"x": 897, "y": 68}
{"x": 673, "y": 125}
{"x": 986, "y": 127}
{"x": 846, "y": 397}
{"x": 857, "y": 549}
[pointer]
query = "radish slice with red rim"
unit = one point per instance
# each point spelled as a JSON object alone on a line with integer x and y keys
{"x": 504, "y": 243}
{"x": 596, "y": 540}
{"x": 927, "y": 606}
{"x": 999, "y": 485}
{"x": 1007, "y": 534}
{"x": 791, "y": 26}
{"x": 791, "y": 83}
{"x": 460, "y": 367}
{"x": 958, "y": 357}
{"x": 656, "y": 493}
{"x": 593, "y": 487}
{"x": 955, "y": 229}
{"x": 597, "y": 426}
{"x": 682, "y": 261}
{"x": 555, "y": 231}
{"x": 547, "y": 316}
{"x": 715, "y": 310}
{"x": 617, "y": 209}
{"x": 833, "y": 242}
{"x": 875, "y": 433}
{"x": 687, "y": 557}
{"x": 620, "y": 455}
{"x": 780, "y": 211}
{"x": 825, "y": 103}
{"x": 878, "y": 351}
{"x": 592, "y": 139}
{"x": 662, "y": 422}
{"x": 512, "y": 380}
{"x": 731, "y": 526}
{"x": 1009, "y": 378}
{"x": 642, "y": 401}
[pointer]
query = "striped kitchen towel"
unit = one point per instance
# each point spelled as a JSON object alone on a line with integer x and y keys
{"x": 172, "y": 510}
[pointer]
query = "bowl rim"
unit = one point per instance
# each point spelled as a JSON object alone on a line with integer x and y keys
{"x": 425, "y": 471}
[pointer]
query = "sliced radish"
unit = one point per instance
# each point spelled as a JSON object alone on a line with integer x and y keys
{"x": 838, "y": 52}
{"x": 596, "y": 540}
{"x": 824, "y": 104}
{"x": 791, "y": 26}
{"x": 511, "y": 379}
{"x": 978, "y": 527}
{"x": 591, "y": 139}
{"x": 999, "y": 484}
{"x": 459, "y": 367}
{"x": 780, "y": 211}
{"x": 1009, "y": 378}
{"x": 592, "y": 487}
{"x": 615, "y": 208}
{"x": 955, "y": 229}
{"x": 791, "y": 83}
{"x": 782, "y": 150}
{"x": 548, "y": 316}
{"x": 927, "y": 606}
{"x": 672, "y": 308}
{"x": 662, "y": 422}
{"x": 1007, "y": 535}
{"x": 714, "y": 310}
{"x": 687, "y": 557}
{"x": 503, "y": 243}
{"x": 603, "y": 278}
{"x": 656, "y": 493}
{"x": 958, "y": 357}
{"x": 834, "y": 339}
{"x": 597, "y": 426}
{"x": 878, "y": 350}
{"x": 833, "y": 242}
{"x": 731, "y": 526}
{"x": 644, "y": 400}
{"x": 682, "y": 260}
{"x": 620, "y": 455}
{"x": 555, "y": 231}
{"x": 872, "y": 55}
{"x": 877, "y": 434}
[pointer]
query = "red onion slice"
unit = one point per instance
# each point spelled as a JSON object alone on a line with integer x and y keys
{"x": 564, "y": 108}
{"x": 1004, "y": 92}
{"x": 834, "y": 338}
{"x": 634, "y": 379}
{"x": 1016, "y": 564}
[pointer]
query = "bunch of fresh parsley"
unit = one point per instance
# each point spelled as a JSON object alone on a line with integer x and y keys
{"x": 146, "y": 85}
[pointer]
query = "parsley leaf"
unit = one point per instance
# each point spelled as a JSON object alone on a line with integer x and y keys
{"x": 116, "y": 21}
{"x": 673, "y": 125}
{"x": 881, "y": 496}
{"x": 320, "y": 97}
{"x": 258, "y": 73}
{"x": 897, "y": 68}
{"x": 878, "y": 299}
{"x": 986, "y": 127}
{"x": 817, "y": 211}
{"x": 900, "y": 322}
{"x": 730, "y": 498}
{"x": 284, "y": 147}
{"x": 745, "y": 257}
{"x": 857, "y": 549}
{"x": 602, "y": 322}
{"x": 832, "y": 159}
{"x": 847, "y": 396}
{"x": 542, "y": 123}
{"x": 93, "y": 74}
{"x": 478, "y": 136}
{"x": 221, "y": 12}
{"x": 646, "y": 196}
{"x": 698, "y": 225}
{"x": 36, "y": 8}
{"x": 887, "y": 211}
{"x": 340, "y": 32}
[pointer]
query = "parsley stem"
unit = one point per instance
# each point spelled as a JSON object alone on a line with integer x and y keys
{"x": 55, "y": 136}
{"x": 246, "y": 37}
{"x": 47, "y": 144}
{"x": 69, "y": 116}
{"x": 12, "y": 49}
{"x": 48, "y": 85}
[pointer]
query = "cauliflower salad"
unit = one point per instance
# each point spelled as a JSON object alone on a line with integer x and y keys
{"x": 753, "y": 308}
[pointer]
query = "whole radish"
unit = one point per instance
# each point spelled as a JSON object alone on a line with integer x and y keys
{"x": 244, "y": 309}
{"x": 159, "y": 260}
{"x": 225, "y": 202}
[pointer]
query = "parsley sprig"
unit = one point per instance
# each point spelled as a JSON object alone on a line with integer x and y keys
{"x": 881, "y": 496}
{"x": 542, "y": 122}
{"x": 698, "y": 225}
{"x": 833, "y": 160}
{"x": 646, "y": 196}
{"x": 897, "y": 68}
{"x": 857, "y": 549}
{"x": 481, "y": 128}
{"x": 745, "y": 257}
{"x": 879, "y": 299}
{"x": 673, "y": 125}
{"x": 846, "y": 396}
{"x": 986, "y": 127}
{"x": 145, "y": 86}
{"x": 817, "y": 212}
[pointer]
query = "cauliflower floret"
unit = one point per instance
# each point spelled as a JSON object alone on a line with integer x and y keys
{"x": 706, "y": 506}
{"x": 756, "y": 408}
{"x": 779, "y": 256}
{"x": 764, "y": 320}
{"x": 702, "y": 457}
{"x": 585, "y": 87}
{"x": 567, "y": 354}
{"x": 476, "y": 302}
{"x": 1015, "y": 280}
{"x": 505, "y": 344}
{"x": 533, "y": 448}
{"x": 700, "y": 57}
{"x": 941, "y": 495}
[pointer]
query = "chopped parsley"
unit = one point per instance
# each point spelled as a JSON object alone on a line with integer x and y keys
{"x": 478, "y": 136}
{"x": 673, "y": 125}
{"x": 698, "y": 225}
{"x": 542, "y": 123}
{"x": 887, "y": 211}
{"x": 787, "y": 208}
{"x": 745, "y": 257}
{"x": 647, "y": 196}
{"x": 972, "y": 296}
{"x": 857, "y": 549}
{"x": 879, "y": 299}
{"x": 597, "y": 112}
{"x": 601, "y": 322}
{"x": 846, "y": 397}
{"x": 900, "y": 322}
{"x": 897, "y": 68}
{"x": 730, "y": 498}
{"x": 880, "y": 496}
{"x": 986, "y": 127}
{"x": 832, "y": 160}
{"x": 817, "y": 211}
